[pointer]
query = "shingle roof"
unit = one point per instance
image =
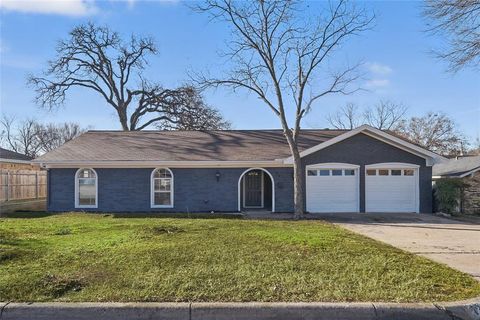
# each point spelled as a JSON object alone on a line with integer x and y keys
{"x": 456, "y": 167}
{"x": 12, "y": 155}
{"x": 226, "y": 145}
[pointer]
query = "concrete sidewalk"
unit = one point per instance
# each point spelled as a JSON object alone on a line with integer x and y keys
{"x": 463, "y": 310}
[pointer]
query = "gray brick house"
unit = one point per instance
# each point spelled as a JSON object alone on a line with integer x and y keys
{"x": 358, "y": 170}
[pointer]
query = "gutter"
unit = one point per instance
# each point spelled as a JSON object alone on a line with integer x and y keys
{"x": 169, "y": 164}
{"x": 466, "y": 310}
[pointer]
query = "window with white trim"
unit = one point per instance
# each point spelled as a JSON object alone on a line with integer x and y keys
{"x": 383, "y": 172}
{"x": 162, "y": 188}
{"x": 86, "y": 188}
{"x": 396, "y": 172}
{"x": 336, "y": 172}
{"x": 324, "y": 172}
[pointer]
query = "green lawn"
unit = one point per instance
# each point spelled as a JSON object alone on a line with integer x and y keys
{"x": 86, "y": 257}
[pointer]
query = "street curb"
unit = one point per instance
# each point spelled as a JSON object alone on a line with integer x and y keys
{"x": 461, "y": 310}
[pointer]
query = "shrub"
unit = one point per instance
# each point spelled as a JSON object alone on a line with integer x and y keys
{"x": 448, "y": 194}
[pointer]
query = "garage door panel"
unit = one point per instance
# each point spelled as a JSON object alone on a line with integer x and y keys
{"x": 391, "y": 193}
{"x": 332, "y": 193}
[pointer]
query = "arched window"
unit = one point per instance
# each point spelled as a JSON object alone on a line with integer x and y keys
{"x": 161, "y": 188}
{"x": 86, "y": 188}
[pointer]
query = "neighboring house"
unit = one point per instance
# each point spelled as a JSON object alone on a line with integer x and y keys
{"x": 468, "y": 170}
{"x": 22, "y": 183}
{"x": 358, "y": 170}
{"x": 10, "y": 160}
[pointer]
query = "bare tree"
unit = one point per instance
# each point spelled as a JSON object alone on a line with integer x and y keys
{"x": 475, "y": 150}
{"x": 51, "y": 135}
{"x": 434, "y": 131}
{"x": 195, "y": 115}
{"x": 347, "y": 117}
{"x": 22, "y": 137}
{"x": 281, "y": 55}
{"x": 97, "y": 59}
{"x": 459, "y": 21}
{"x": 386, "y": 115}
{"x": 32, "y": 138}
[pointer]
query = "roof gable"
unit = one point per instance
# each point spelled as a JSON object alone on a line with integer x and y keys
{"x": 383, "y": 136}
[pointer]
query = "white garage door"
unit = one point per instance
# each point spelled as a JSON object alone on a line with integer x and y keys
{"x": 391, "y": 190}
{"x": 332, "y": 189}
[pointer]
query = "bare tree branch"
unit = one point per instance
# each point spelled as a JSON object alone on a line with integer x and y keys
{"x": 434, "y": 131}
{"x": 386, "y": 115}
{"x": 97, "y": 59}
{"x": 279, "y": 52}
{"x": 459, "y": 22}
{"x": 33, "y": 138}
{"x": 347, "y": 117}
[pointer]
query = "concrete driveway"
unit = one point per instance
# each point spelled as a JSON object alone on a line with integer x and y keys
{"x": 447, "y": 241}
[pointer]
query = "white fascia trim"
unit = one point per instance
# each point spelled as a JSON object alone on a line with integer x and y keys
{"x": 392, "y": 165}
{"x": 157, "y": 164}
{"x": 333, "y": 165}
{"x": 17, "y": 161}
{"x": 431, "y": 157}
{"x": 466, "y": 174}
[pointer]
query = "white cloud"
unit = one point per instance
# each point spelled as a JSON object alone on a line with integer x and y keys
{"x": 379, "y": 69}
{"x": 132, "y": 3}
{"x": 377, "y": 83}
{"x": 59, "y": 7}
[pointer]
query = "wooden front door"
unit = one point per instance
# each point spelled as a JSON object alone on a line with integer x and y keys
{"x": 253, "y": 189}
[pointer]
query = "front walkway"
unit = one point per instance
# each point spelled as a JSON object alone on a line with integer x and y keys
{"x": 447, "y": 241}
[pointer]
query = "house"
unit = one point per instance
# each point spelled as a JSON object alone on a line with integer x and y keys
{"x": 358, "y": 170}
{"x": 11, "y": 160}
{"x": 468, "y": 170}
{"x": 22, "y": 183}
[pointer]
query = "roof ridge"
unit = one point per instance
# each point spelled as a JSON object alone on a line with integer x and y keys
{"x": 226, "y": 130}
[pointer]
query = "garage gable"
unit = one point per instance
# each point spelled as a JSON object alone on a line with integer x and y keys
{"x": 430, "y": 157}
{"x": 365, "y": 151}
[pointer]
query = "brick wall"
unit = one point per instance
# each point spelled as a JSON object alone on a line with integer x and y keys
{"x": 471, "y": 194}
{"x": 195, "y": 190}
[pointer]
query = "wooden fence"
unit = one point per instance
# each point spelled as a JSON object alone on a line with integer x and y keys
{"x": 22, "y": 185}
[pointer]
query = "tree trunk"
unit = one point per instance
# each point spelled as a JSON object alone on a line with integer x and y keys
{"x": 122, "y": 116}
{"x": 298, "y": 179}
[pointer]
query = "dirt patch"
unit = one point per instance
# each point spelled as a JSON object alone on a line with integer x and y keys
{"x": 63, "y": 232}
{"x": 166, "y": 229}
{"x": 57, "y": 286}
{"x": 8, "y": 254}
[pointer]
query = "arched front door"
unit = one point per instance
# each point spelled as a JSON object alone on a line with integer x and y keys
{"x": 256, "y": 190}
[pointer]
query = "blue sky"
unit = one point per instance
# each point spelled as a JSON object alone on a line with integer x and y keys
{"x": 398, "y": 64}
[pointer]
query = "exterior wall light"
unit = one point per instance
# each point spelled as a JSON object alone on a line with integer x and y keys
{"x": 217, "y": 176}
